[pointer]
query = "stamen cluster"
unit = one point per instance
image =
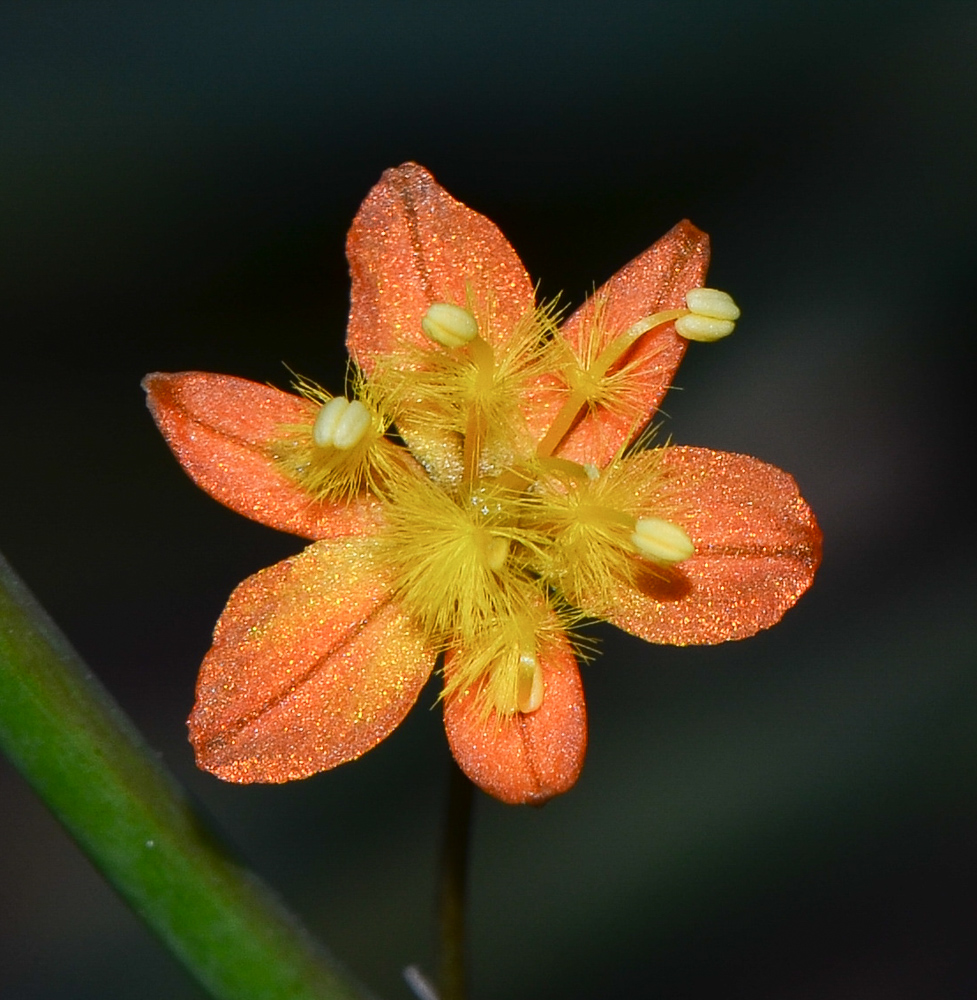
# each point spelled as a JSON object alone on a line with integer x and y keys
{"x": 493, "y": 542}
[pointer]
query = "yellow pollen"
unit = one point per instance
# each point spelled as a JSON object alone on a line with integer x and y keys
{"x": 529, "y": 687}
{"x": 712, "y": 315}
{"x": 449, "y": 325}
{"x": 662, "y": 541}
{"x": 341, "y": 424}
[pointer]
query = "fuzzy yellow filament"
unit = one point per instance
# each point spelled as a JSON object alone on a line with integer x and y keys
{"x": 711, "y": 315}
{"x": 477, "y": 423}
{"x": 456, "y": 328}
{"x": 586, "y": 385}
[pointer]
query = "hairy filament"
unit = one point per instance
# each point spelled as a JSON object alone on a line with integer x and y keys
{"x": 476, "y": 427}
{"x": 587, "y": 392}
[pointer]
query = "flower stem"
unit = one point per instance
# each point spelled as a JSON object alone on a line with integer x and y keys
{"x": 454, "y": 879}
{"x": 88, "y": 763}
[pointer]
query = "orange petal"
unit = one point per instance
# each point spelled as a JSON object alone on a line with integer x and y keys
{"x": 757, "y": 549}
{"x": 312, "y": 665}
{"x": 412, "y": 244}
{"x": 220, "y": 427}
{"x": 524, "y": 758}
{"x": 654, "y": 281}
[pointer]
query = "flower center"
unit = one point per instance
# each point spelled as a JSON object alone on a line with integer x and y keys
{"x": 503, "y": 544}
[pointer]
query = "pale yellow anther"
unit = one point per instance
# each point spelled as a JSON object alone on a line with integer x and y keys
{"x": 712, "y": 315}
{"x": 451, "y": 326}
{"x": 662, "y": 541}
{"x": 341, "y": 423}
{"x": 713, "y": 303}
{"x": 497, "y": 551}
{"x": 529, "y": 687}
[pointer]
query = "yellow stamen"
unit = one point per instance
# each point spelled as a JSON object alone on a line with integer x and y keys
{"x": 455, "y": 327}
{"x": 662, "y": 541}
{"x": 341, "y": 423}
{"x": 588, "y": 384}
{"x": 712, "y": 315}
{"x": 475, "y": 430}
{"x": 529, "y": 686}
{"x": 713, "y": 303}
{"x": 476, "y": 426}
{"x": 496, "y": 552}
{"x": 449, "y": 325}
{"x": 623, "y": 341}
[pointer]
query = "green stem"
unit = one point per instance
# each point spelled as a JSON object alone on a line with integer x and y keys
{"x": 454, "y": 878}
{"x": 88, "y": 763}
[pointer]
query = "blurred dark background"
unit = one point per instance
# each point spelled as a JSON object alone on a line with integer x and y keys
{"x": 790, "y": 817}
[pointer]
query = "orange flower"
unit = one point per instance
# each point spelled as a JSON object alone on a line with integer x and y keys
{"x": 525, "y": 500}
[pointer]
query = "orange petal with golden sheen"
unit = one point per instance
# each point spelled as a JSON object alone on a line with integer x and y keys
{"x": 412, "y": 244}
{"x": 757, "y": 549}
{"x": 654, "y": 281}
{"x": 312, "y": 665}
{"x": 220, "y": 428}
{"x": 524, "y": 758}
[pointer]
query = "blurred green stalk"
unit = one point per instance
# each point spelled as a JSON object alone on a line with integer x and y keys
{"x": 88, "y": 763}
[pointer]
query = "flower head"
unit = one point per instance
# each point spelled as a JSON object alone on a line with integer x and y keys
{"x": 485, "y": 487}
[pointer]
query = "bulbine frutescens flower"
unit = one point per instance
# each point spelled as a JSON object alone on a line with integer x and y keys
{"x": 484, "y": 487}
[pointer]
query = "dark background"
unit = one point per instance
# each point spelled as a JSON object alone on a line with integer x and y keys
{"x": 790, "y": 817}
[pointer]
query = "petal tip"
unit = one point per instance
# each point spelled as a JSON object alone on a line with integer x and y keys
{"x": 525, "y": 759}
